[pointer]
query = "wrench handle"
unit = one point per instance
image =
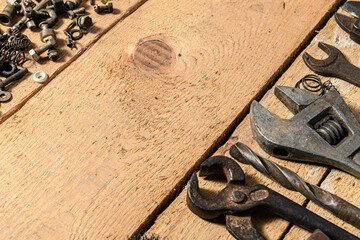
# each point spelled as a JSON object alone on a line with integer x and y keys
{"x": 293, "y": 212}
{"x": 349, "y": 73}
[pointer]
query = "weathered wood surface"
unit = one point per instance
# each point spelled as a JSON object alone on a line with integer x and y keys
{"x": 26, "y": 87}
{"x": 177, "y": 222}
{"x": 111, "y": 139}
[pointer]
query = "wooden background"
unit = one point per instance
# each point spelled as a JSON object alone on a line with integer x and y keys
{"x": 104, "y": 149}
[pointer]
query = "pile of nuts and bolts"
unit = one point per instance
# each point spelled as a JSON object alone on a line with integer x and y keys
{"x": 44, "y": 15}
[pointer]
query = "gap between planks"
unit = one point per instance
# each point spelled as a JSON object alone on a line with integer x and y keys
{"x": 22, "y": 103}
{"x": 149, "y": 222}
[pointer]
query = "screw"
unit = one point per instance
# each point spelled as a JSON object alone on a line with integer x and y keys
{"x": 72, "y": 13}
{"x": 104, "y": 9}
{"x": 12, "y": 78}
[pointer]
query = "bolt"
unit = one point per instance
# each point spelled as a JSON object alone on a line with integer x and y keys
{"x": 20, "y": 24}
{"x": 30, "y": 13}
{"x": 48, "y": 36}
{"x": 12, "y": 78}
{"x": 72, "y": 13}
{"x": 83, "y": 21}
{"x": 104, "y": 9}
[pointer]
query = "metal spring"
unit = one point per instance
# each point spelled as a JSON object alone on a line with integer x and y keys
{"x": 316, "y": 86}
{"x": 13, "y": 55}
{"x": 18, "y": 42}
{"x": 331, "y": 130}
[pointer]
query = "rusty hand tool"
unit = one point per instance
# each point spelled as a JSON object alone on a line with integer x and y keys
{"x": 318, "y": 235}
{"x": 290, "y": 180}
{"x": 349, "y": 24}
{"x": 238, "y": 201}
{"x": 336, "y": 65}
{"x": 323, "y": 129}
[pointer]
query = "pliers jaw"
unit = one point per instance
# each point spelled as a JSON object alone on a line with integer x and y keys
{"x": 350, "y": 25}
{"x": 236, "y": 200}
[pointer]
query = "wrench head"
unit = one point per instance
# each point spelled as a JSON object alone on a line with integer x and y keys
{"x": 324, "y": 131}
{"x": 320, "y": 66}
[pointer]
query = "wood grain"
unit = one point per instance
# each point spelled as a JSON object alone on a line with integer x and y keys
{"x": 26, "y": 87}
{"x": 112, "y": 138}
{"x": 178, "y": 222}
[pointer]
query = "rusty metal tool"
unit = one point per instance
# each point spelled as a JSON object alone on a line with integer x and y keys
{"x": 336, "y": 65}
{"x": 238, "y": 202}
{"x": 290, "y": 180}
{"x": 323, "y": 129}
{"x": 351, "y": 25}
{"x": 318, "y": 235}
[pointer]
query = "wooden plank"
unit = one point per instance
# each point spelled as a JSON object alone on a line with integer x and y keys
{"x": 177, "y": 222}
{"x": 104, "y": 146}
{"x": 26, "y": 88}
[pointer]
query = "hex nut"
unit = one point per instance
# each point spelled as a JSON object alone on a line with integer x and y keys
{"x": 34, "y": 55}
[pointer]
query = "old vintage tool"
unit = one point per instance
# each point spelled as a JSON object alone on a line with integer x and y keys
{"x": 290, "y": 180}
{"x": 336, "y": 65}
{"x": 318, "y": 235}
{"x": 323, "y": 130}
{"x": 238, "y": 201}
{"x": 349, "y": 24}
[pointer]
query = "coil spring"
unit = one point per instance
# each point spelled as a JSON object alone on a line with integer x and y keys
{"x": 18, "y": 42}
{"x": 13, "y": 55}
{"x": 312, "y": 83}
{"x": 331, "y": 130}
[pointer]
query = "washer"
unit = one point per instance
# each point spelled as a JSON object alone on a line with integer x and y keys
{"x": 40, "y": 76}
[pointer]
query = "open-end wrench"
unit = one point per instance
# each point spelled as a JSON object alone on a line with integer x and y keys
{"x": 239, "y": 202}
{"x": 336, "y": 65}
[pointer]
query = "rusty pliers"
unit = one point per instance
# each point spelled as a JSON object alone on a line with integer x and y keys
{"x": 238, "y": 201}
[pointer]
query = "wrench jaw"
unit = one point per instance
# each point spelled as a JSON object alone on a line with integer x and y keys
{"x": 294, "y": 99}
{"x": 272, "y": 133}
{"x": 322, "y": 66}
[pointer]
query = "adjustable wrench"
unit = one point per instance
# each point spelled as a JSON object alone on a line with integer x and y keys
{"x": 323, "y": 129}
